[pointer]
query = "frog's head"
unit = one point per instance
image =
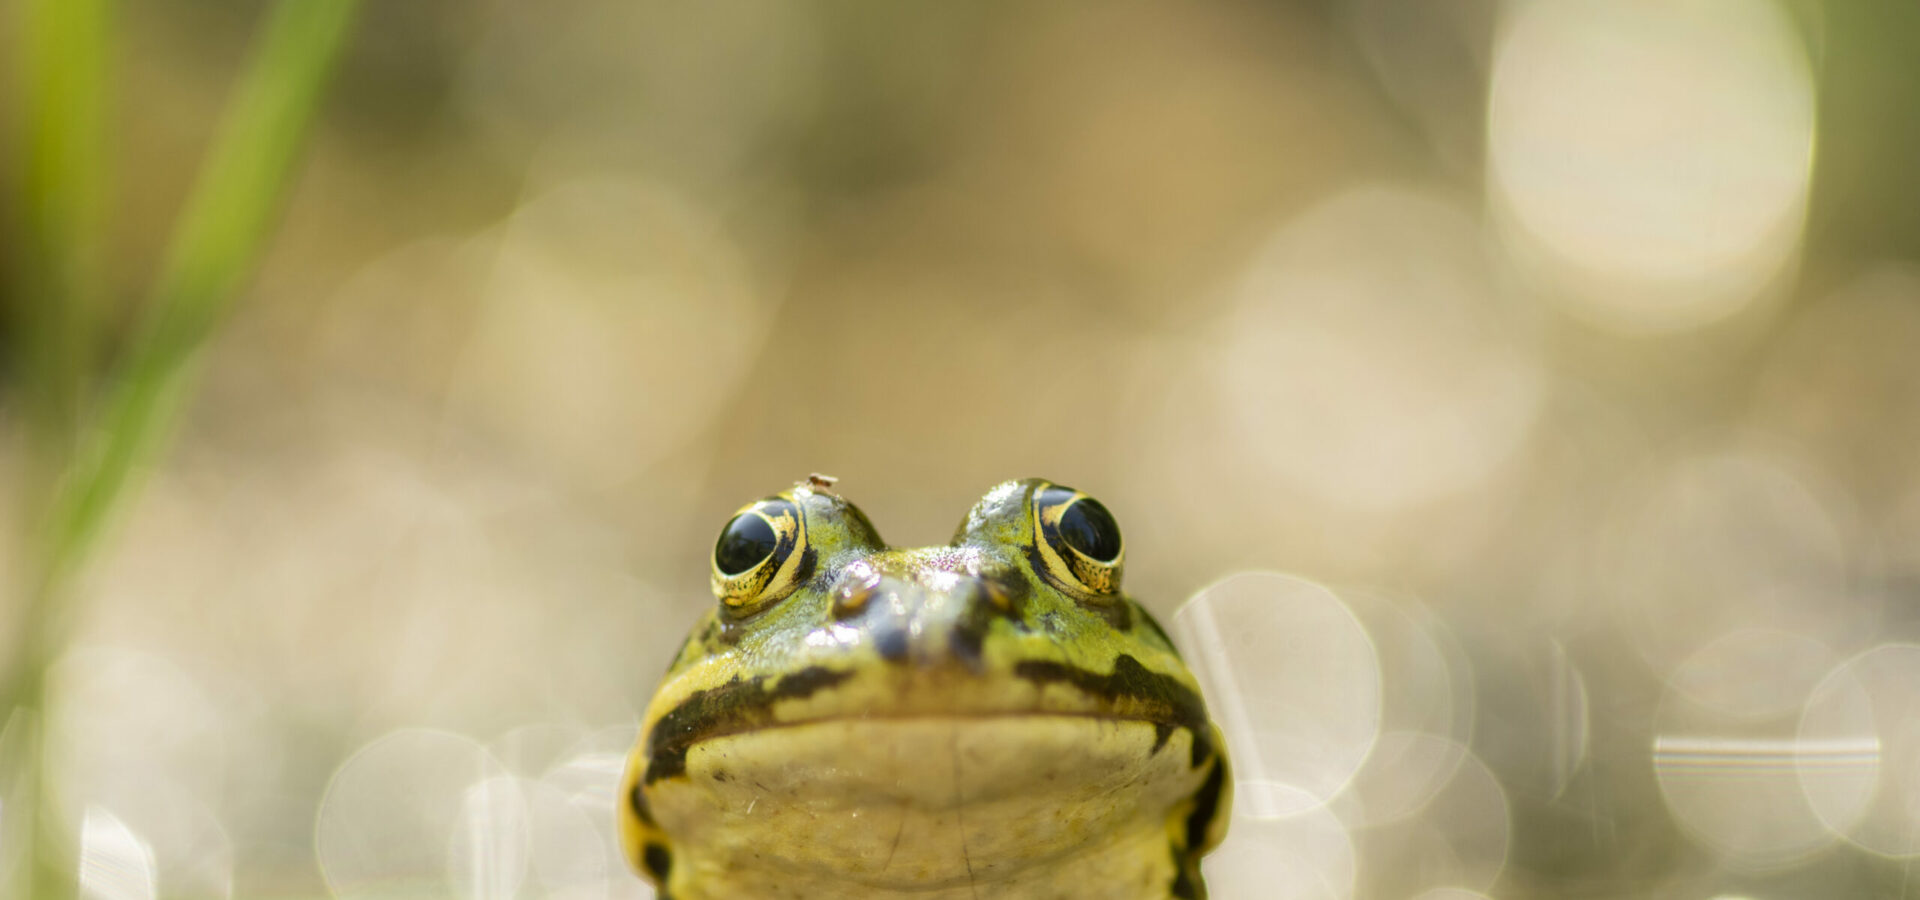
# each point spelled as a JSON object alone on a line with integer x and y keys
{"x": 1006, "y": 676}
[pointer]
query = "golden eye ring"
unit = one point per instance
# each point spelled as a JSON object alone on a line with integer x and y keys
{"x": 759, "y": 557}
{"x": 1078, "y": 542}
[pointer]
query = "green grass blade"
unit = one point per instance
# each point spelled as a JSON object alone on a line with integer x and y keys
{"x": 213, "y": 249}
{"x": 62, "y": 73}
{"x": 212, "y": 252}
{"x": 56, "y": 218}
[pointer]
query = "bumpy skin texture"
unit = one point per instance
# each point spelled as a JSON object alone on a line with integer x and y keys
{"x": 993, "y": 718}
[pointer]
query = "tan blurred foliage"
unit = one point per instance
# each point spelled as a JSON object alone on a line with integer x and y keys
{"x": 565, "y": 283}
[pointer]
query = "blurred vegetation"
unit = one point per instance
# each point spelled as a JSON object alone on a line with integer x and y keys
{"x": 90, "y": 435}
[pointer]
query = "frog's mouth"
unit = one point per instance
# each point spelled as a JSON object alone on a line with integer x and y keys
{"x": 817, "y": 694}
{"x": 925, "y": 803}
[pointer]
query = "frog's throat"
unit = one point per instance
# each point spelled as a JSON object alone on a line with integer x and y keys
{"x": 1131, "y": 692}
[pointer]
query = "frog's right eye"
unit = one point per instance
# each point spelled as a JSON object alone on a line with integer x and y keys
{"x": 758, "y": 558}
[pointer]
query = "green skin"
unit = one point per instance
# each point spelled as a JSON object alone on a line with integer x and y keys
{"x": 994, "y": 718}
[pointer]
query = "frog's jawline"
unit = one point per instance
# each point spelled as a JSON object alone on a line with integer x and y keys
{"x": 735, "y": 706}
{"x": 742, "y": 705}
{"x": 1165, "y": 701}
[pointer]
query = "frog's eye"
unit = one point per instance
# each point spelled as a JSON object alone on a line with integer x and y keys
{"x": 1078, "y": 541}
{"x": 759, "y": 555}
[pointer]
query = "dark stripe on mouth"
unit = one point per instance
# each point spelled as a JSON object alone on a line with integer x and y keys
{"x": 1205, "y": 805}
{"x": 1187, "y": 883}
{"x": 1133, "y": 691}
{"x": 734, "y": 706}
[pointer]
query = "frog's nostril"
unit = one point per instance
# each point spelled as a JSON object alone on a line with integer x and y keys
{"x": 1003, "y": 594}
{"x": 941, "y": 619}
{"x": 854, "y": 589}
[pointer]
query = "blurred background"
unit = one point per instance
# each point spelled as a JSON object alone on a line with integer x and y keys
{"x": 1563, "y": 353}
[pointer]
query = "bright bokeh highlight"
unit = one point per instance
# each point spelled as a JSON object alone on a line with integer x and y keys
{"x": 1861, "y": 771}
{"x": 1368, "y": 359}
{"x": 115, "y": 864}
{"x": 1725, "y": 750}
{"x": 1648, "y": 162}
{"x": 1291, "y": 677}
{"x": 433, "y": 814}
{"x": 1308, "y": 856}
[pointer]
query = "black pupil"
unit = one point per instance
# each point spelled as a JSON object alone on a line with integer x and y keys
{"x": 745, "y": 541}
{"x": 1086, "y": 526}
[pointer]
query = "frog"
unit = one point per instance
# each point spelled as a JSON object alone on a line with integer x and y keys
{"x": 991, "y": 719}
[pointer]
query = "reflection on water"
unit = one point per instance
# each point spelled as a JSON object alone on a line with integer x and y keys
{"x": 1461, "y": 837}
{"x": 1866, "y": 713}
{"x": 1293, "y": 680}
{"x": 1297, "y": 681}
{"x": 1723, "y": 540}
{"x": 1308, "y": 855}
{"x": 1724, "y": 753}
{"x": 434, "y": 814}
{"x": 115, "y": 864}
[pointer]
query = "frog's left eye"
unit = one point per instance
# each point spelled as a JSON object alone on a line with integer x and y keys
{"x": 759, "y": 555}
{"x": 1078, "y": 541}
